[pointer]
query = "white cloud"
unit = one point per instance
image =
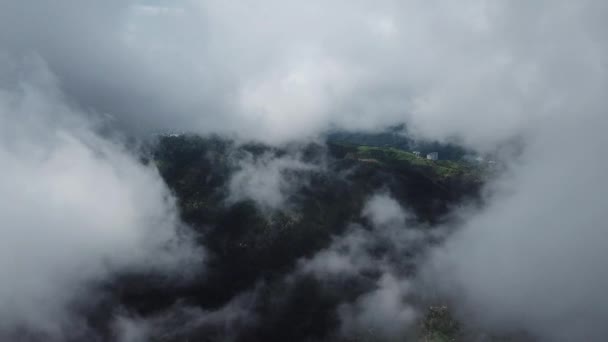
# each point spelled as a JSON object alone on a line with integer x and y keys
{"x": 484, "y": 71}
{"x": 383, "y": 210}
{"x": 75, "y": 209}
{"x": 386, "y": 311}
{"x": 267, "y": 179}
{"x": 381, "y": 314}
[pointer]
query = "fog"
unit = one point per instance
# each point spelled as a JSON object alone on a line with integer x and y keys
{"x": 76, "y": 210}
{"x": 532, "y": 259}
{"x": 77, "y": 206}
{"x": 280, "y": 71}
{"x": 267, "y": 179}
{"x": 387, "y": 309}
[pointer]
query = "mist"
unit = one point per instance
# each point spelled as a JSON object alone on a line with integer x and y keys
{"x": 81, "y": 80}
{"x": 267, "y": 179}
{"x": 484, "y": 72}
{"x": 76, "y": 210}
{"x": 532, "y": 259}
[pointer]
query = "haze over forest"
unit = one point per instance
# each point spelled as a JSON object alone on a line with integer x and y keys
{"x": 208, "y": 170}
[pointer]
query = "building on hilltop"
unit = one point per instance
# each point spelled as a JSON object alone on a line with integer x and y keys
{"x": 416, "y": 153}
{"x": 432, "y": 156}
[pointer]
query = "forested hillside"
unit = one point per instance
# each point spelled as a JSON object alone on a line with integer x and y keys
{"x": 254, "y": 246}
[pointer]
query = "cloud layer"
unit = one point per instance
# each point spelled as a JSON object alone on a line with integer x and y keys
{"x": 76, "y": 209}
{"x": 533, "y": 258}
{"x": 76, "y": 206}
{"x": 277, "y": 71}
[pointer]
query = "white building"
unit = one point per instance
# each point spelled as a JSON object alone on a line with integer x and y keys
{"x": 433, "y": 156}
{"x": 416, "y": 153}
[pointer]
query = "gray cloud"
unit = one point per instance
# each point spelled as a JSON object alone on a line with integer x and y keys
{"x": 267, "y": 179}
{"x": 383, "y": 210}
{"x": 533, "y": 258}
{"x": 530, "y": 260}
{"x": 279, "y": 71}
{"x": 76, "y": 209}
{"x": 276, "y": 71}
{"x": 384, "y": 257}
{"x": 382, "y": 314}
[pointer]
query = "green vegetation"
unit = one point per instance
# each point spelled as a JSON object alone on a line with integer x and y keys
{"x": 398, "y": 138}
{"x": 439, "y": 170}
{"x": 249, "y": 245}
{"x": 439, "y": 326}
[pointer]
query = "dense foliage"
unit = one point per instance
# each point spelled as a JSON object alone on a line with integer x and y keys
{"x": 254, "y": 248}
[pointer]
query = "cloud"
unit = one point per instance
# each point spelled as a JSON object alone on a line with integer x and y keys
{"x": 529, "y": 259}
{"x": 383, "y": 210}
{"x": 481, "y": 71}
{"x": 532, "y": 258}
{"x": 267, "y": 179}
{"x": 273, "y": 71}
{"x": 76, "y": 209}
{"x": 381, "y": 314}
{"x": 380, "y": 260}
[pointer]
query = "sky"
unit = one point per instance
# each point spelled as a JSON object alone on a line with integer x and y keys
{"x": 278, "y": 71}
{"x": 79, "y": 77}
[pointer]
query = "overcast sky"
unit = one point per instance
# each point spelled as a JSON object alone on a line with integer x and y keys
{"x": 283, "y": 70}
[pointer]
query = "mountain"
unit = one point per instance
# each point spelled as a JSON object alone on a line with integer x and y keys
{"x": 254, "y": 247}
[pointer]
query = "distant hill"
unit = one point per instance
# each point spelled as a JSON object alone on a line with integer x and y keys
{"x": 399, "y": 139}
{"x": 439, "y": 170}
